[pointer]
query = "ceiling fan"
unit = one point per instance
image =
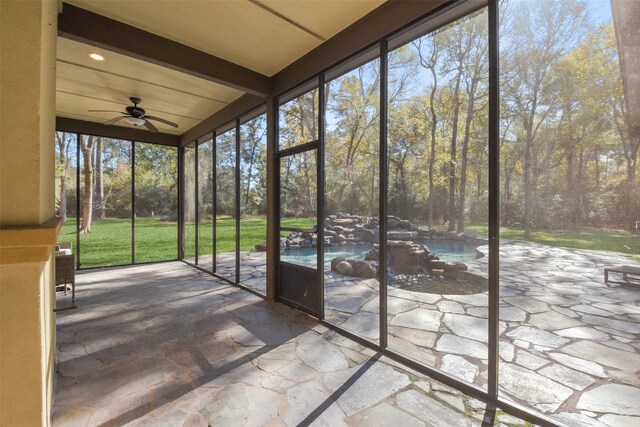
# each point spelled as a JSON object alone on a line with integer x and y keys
{"x": 136, "y": 116}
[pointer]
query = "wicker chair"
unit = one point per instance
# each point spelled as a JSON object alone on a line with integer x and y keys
{"x": 65, "y": 271}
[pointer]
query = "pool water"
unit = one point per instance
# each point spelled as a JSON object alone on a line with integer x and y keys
{"x": 447, "y": 250}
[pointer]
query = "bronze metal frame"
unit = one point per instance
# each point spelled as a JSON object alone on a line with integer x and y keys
{"x": 389, "y": 22}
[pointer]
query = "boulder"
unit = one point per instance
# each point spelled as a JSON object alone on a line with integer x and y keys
{"x": 372, "y": 255}
{"x": 362, "y": 269}
{"x": 306, "y": 243}
{"x": 284, "y": 243}
{"x": 401, "y": 235}
{"x": 392, "y": 222}
{"x": 471, "y": 235}
{"x": 340, "y": 239}
{"x": 407, "y": 258}
{"x": 344, "y": 222}
{"x": 424, "y": 232}
{"x": 404, "y": 224}
{"x": 336, "y": 261}
{"x": 344, "y": 268}
{"x": 342, "y": 230}
{"x": 371, "y": 224}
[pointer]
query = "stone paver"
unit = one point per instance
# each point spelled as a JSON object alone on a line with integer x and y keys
{"x": 166, "y": 344}
{"x": 576, "y": 331}
{"x": 613, "y": 398}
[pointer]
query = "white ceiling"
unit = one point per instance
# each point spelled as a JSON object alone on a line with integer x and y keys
{"x": 83, "y": 84}
{"x": 247, "y": 32}
{"x": 239, "y": 31}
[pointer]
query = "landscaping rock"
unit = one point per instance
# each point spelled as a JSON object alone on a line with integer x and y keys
{"x": 362, "y": 269}
{"x": 336, "y": 261}
{"x": 344, "y": 268}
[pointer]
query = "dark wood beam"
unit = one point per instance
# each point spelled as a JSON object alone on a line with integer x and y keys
{"x": 237, "y": 108}
{"x": 64, "y": 124}
{"x": 87, "y": 27}
{"x": 381, "y": 22}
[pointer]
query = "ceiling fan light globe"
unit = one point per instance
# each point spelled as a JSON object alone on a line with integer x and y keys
{"x": 135, "y": 121}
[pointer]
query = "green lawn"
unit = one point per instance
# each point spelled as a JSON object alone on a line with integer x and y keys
{"x": 109, "y": 242}
{"x": 600, "y": 240}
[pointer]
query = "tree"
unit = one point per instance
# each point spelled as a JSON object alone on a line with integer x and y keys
{"x": 252, "y": 157}
{"x": 626, "y": 114}
{"x": 86, "y": 147}
{"x": 63, "y": 140}
{"x": 429, "y": 62}
{"x": 99, "y": 181}
{"x": 541, "y": 33}
{"x": 475, "y": 76}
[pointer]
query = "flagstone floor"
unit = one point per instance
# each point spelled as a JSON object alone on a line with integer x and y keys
{"x": 168, "y": 345}
{"x": 570, "y": 345}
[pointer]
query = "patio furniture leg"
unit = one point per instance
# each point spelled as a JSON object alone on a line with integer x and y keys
{"x": 606, "y": 276}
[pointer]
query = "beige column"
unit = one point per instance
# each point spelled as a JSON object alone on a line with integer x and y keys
{"x": 28, "y": 229}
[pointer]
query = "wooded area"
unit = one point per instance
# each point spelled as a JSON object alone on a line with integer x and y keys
{"x": 568, "y": 153}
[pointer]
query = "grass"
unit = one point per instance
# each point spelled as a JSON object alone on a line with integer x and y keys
{"x": 599, "y": 240}
{"x": 109, "y": 242}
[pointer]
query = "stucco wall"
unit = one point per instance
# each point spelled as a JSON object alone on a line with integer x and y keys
{"x": 27, "y": 160}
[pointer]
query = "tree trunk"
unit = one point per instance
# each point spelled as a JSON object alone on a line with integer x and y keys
{"x": 465, "y": 153}
{"x": 452, "y": 161}
{"x": 432, "y": 154}
{"x": 250, "y": 173}
{"x": 634, "y": 216}
{"x": 87, "y": 196}
{"x": 62, "y": 143}
{"x": 100, "y": 211}
{"x": 528, "y": 183}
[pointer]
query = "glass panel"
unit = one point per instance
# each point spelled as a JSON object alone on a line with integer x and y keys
{"x": 156, "y": 202}
{"x": 105, "y": 229}
{"x": 298, "y": 208}
{"x": 437, "y": 199}
{"x": 253, "y": 203}
{"x": 299, "y": 120}
{"x": 570, "y": 138}
{"x": 66, "y": 174}
{"x": 205, "y": 204}
{"x": 226, "y": 204}
{"x": 352, "y": 161}
{"x": 190, "y": 203}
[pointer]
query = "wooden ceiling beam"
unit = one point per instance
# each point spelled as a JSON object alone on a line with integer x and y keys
{"x": 64, "y": 124}
{"x": 96, "y": 30}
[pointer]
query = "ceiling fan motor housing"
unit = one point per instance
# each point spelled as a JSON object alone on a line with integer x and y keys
{"x": 135, "y": 111}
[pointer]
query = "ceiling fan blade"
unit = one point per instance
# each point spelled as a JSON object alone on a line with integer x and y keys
{"x": 104, "y": 111}
{"x": 158, "y": 119}
{"x": 149, "y": 126}
{"x": 117, "y": 119}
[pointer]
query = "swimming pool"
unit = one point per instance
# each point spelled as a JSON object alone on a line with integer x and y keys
{"x": 447, "y": 250}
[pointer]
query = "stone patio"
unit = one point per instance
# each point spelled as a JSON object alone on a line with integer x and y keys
{"x": 168, "y": 345}
{"x": 253, "y": 268}
{"x": 571, "y": 339}
{"x": 570, "y": 345}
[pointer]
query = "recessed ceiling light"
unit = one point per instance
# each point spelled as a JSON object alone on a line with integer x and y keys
{"x": 96, "y": 56}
